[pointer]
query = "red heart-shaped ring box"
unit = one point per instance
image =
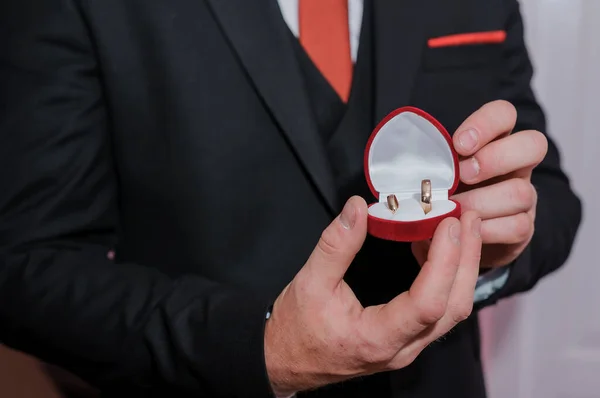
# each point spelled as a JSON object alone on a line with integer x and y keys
{"x": 406, "y": 147}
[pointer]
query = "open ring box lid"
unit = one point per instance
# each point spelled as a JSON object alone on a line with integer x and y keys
{"x": 407, "y": 147}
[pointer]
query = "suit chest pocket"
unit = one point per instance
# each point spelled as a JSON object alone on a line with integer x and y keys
{"x": 473, "y": 56}
{"x": 456, "y": 81}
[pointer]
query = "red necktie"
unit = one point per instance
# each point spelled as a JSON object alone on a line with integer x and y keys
{"x": 325, "y": 36}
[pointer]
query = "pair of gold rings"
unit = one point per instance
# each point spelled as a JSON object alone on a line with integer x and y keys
{"x": 392, "y": 200}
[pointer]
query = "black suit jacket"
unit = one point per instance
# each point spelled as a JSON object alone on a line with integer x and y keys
{"x": 172, "y": 130}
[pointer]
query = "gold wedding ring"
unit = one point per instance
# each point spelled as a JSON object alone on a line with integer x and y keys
{"x": 392, "y": 201}
{"x": 426, "y": 195}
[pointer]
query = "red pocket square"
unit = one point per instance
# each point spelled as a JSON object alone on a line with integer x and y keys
{"x": 464, "y": 39}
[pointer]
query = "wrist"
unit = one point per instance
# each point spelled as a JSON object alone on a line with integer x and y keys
{"x": 274, "y": 362}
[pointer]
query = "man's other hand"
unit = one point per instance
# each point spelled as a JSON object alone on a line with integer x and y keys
{"x": 495, "y": 172}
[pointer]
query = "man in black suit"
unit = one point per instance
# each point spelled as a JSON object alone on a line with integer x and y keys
{"x": 208, "y": 143}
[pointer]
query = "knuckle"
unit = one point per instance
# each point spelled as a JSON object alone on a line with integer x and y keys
{"x": 431, "y": 312}
{"x": 406, "y": 358}
{"x": 506, "y": 109}
{"x": 540, "y": 145}
{"x": 461, "y": 311}
{"x": 329, "y": 242}
{"x": 533, "y": 195}
{"x": 523, "y": 226}
{"x": 503, "y": 112}
{"x": 523, "y": 192}
{"x": 374, "y": 354}
{"x": 372, "y": 351}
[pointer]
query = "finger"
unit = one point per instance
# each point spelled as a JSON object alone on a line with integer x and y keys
{"x": 461, "y": 298}
{"x": 491, "y": 121}
{"x": 338, "y": 244}
{"x": 507, "y": 230}
{"x": 460, "y": 302}
{"x": 499, "y": 200}
{"x": 521, "y": 173}
{"x": 410, "y": 313}
{"x": 420, "y": 250}
{"x": 500, "y": 254}
{"x": 523, "y": 150}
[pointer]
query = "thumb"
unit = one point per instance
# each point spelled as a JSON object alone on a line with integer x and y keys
{"x": 338, "y": 244}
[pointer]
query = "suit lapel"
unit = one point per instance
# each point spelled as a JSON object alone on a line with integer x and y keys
{"x": 261, "y": 39}
{"x": 400, "y": 38}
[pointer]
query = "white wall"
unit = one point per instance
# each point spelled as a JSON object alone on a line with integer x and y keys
{"x": 546, "y": 344}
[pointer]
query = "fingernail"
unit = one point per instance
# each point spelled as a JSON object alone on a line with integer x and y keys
{"x": 477, "y": 228}
{"x": 469, "y": 169}
{"x": 468, "y": 139}
{"x": 348, "y": 216}
{"x": 455, "y": 233}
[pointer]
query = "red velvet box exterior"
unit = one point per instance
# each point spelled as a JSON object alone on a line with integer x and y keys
{"x": 414, "y": 230}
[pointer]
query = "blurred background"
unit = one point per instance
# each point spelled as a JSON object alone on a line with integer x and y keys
{"x": 545, "y": 344}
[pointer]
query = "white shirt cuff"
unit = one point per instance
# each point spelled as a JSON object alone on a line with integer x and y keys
{"x": 490, "y": 282}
